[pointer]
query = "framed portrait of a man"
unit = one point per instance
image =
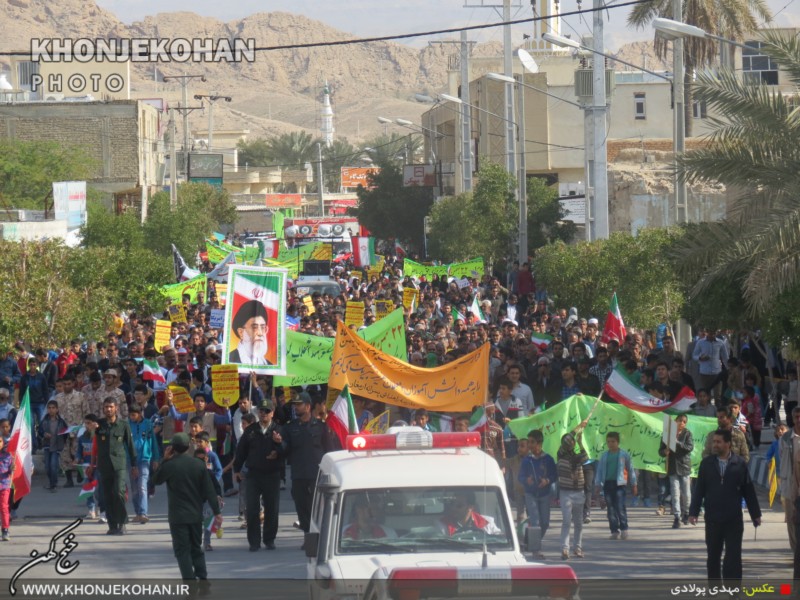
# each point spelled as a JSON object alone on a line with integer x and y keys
{"x": 255, "y": 320}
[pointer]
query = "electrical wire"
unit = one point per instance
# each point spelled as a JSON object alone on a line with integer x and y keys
{"x": 401, "y": 36}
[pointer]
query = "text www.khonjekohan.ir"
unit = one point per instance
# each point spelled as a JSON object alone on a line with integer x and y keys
{"x": 72, "y": 590}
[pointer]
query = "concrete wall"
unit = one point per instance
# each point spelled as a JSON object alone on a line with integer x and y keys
{"x": 35, "y": 230}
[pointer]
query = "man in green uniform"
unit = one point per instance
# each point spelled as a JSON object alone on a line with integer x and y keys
{"x": 113, "y": 452}
{"x": 188, "y": 487}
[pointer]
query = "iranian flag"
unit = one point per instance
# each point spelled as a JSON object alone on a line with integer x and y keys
{"x": 625, "y": 391}
{"x": 457, "y": 315}
{"x": 441, "y": 423}
{"x": 479, "y": 421}
{"x": 266, "y": 287}
{"x": 152, "y": 372}
{"x": 614, "y": 328}
{"x": 476, "y": 311}
{"x": 541, "y": 340}
{"x": 269, "y": 248}
{"x": 399, "y": 250}
{"x": 210, "y": 525}
{"x": 20, "y": 447}
{"x": 87, "y": 489}
{"x": 364, "y": 251}
{"x": 342, "y": 418}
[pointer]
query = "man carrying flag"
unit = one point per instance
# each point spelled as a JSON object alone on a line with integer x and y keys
{"x": 614, "y": 328}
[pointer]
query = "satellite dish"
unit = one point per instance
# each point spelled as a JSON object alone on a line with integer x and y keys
{"x": 527, "y": 61}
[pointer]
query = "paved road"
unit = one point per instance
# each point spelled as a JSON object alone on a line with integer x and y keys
{"x": 654, "y": 550}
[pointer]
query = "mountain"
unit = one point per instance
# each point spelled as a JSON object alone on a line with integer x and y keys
{"x": 280, "y": 90}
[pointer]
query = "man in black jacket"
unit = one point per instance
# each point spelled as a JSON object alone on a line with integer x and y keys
{"x": 305, "y": 441}
{"x": 260, "y": 450}
{"x": 722, "y": 482}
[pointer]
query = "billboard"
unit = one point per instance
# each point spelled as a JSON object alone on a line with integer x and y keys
{"x": 419, "y": 176}
{"x": 352, "y": 177}
{"x": 69, "y": 202}
{"x": 284, "y": 200}
{"x": 320, "y": 227}
{"x": 205, "y": 166}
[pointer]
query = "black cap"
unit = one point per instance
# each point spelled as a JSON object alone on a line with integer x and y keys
{"x": 301, "y": 398}
{"x": 265, "y": 406}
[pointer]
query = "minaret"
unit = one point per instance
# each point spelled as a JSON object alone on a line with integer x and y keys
{"x": 326, "y": 123}
{"x": 544, "y": 9}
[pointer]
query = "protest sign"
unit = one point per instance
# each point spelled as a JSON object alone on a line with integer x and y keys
{"x": 471, "y": 268}
{"x": 226, "y": 384}
{"x": 456, "y": 386}
{"x": 640, "y": 433}
{"x": 222, "y": 293}
{"x": 383, "y": 308}
{"x": 409, "y": 298}
{"x": 177, "y": 313}
{"x": 181, "y": 399}
{"x": 254, "y": 332}
{"x": 309, "y": 302}
{"x": 308, "y": 357}
{"x": 174, "y": 293}
{"x": 354, "y": 314}
{"x": 217, "y": 320}
{"x": 163, "y": 330}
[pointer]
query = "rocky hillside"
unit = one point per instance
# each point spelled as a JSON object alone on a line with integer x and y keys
{"x": 277, "y": 92}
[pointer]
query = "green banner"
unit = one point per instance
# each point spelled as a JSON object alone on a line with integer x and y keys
{"x": 215, "y": 252}
{"x": 470, "y": 268}
{"x": 192, "y": 287}
{"x": 218, "y": 252}
{"x": 308, "y": 357}
{"x": 640, "y": 433}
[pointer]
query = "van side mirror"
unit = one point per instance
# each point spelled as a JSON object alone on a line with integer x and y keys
{"x": 310, "y": 544}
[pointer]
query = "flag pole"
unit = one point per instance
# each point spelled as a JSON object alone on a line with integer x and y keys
{"x": 582, "y": 425}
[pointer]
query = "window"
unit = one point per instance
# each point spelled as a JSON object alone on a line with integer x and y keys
{"x": 25, "y": 71}
{"x": 639, "y": 105}
{"x": 699, "y": 109}
{"x": 758, "y": 67}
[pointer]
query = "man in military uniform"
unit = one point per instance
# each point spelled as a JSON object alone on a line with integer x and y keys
{"x": 189, "y": 485}
{"x": 113, "y": 450}
{"x": 305, "y": 440}
{"x": 260, "y": 450}
{"x": 93, "y": 394}
{"x": 111, "y": 389}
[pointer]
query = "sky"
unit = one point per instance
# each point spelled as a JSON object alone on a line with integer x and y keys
{"x": 374, "y": 18}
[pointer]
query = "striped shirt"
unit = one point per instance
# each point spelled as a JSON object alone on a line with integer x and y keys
{"x": 570, "y": 469}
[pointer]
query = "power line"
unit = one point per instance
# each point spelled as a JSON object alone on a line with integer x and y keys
{"x": 401, "y": 36}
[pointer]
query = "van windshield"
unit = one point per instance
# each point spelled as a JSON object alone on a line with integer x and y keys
{"x": 430, "y": 519}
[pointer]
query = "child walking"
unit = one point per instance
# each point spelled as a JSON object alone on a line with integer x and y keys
{"x": 53, "y": 430}
{"x": 214, "y": 467}
{"x": 6, "y": 469}
{"x": 613, "y": 471}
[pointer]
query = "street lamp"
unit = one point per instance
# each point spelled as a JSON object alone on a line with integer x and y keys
{"x": 211, "y": 99}
{"x": 674, "y": 30}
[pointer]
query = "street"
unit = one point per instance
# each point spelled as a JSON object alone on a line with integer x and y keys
{"x": 653, "y": 551}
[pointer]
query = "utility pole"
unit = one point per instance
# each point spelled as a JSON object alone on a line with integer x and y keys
{"x": 466, "y": 117}
{"x": 319, "y": 181}
{"x": 173, "y": 162}
{"x": 184, "y": 108}
{"x": 522, "y": 178}
{"x": 211, "y": 99}
{"x": 599, "y": 111}
{"x": 679, "y": 134}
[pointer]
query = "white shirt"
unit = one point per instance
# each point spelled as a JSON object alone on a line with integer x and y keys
{"x": 525, "y": 395}
{"x": 717, "y": 353}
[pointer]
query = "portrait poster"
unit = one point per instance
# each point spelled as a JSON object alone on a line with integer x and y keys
{"x": 255, "y": 314}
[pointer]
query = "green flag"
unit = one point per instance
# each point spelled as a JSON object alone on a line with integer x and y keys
{"x": 640, "y": 433}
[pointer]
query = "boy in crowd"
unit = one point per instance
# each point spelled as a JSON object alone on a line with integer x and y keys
{"x": 537, "y": 473}
{"x": 83, "y": 458}
{"x": 203, "y": 442}
{"x": 613, "y": 471}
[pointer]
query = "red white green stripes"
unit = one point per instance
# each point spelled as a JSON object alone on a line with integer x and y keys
{"x": 342, "y": 418}
{"x": 152, "y": 372}
{"x": 541, "y": 340}
{"x": 364, "y": 251}
{"x": 625, "y": 391}
{"x": 614, "y": 328}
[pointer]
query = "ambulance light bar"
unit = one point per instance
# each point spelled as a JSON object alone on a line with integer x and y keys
{"x": 413, "y": 439}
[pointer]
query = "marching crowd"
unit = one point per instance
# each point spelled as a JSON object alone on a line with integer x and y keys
{"x": 101, "y": 425}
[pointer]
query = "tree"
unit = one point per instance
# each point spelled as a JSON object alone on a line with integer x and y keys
{"x": 28, "y": 170}
{"x": 756, "y": 148}
{"x": 43, "y": 309}
{"x": 253, "y": 153}
{"x": 480, "y": 223}
{"x": 390, "y": 210}
{"x": 728, "y": 19}
{"x": 394, "y": 149}
{"x": 340, "y": 153}
{"x": 637, "y": 267}
{"x": 546, "y": 222}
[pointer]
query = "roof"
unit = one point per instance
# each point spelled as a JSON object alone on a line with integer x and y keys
{"x": 412, "y": 468}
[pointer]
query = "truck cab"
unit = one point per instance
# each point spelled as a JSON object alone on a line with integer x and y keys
{"x": 416, "y": 514}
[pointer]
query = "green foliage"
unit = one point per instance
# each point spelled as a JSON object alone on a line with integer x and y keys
{"x": 546, "y": 216}
{"x": 585, "y": 276}
{"x": 28, "y": 170}
{"x": 393, "y": 149}
{"x": 106, "y": 229}
{"x": 341, "y": 153}
{"x": 290, "y": 151}
{"x": 201, "y": 210}
{"x": 43, "y": 309}
{"x": 390, "y": 210}
{"x": 481, "y": 223}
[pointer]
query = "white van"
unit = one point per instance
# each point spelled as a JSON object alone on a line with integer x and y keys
{"x": 415, "y": 514}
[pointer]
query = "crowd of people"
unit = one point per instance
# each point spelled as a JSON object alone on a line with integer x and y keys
{"x": 98, "y": 419}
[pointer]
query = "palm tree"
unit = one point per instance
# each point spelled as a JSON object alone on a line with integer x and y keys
{"x": 291, "y": 151}
{"x": 755, "y": 147}
{"x": 340, "y": 153}
{"x": 394, "y": 149}
{"x": 731, "y": 19}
